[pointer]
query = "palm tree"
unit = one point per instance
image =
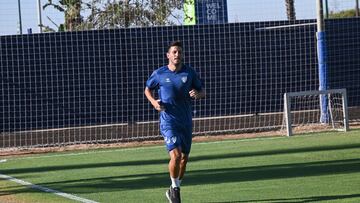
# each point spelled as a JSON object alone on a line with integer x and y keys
{"x": 290, "y": 9}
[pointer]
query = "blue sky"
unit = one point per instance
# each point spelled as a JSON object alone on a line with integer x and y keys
{"x": 238, "y": 11}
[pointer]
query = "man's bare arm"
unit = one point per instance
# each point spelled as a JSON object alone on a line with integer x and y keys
{"x": 155, "y": 103}
{"x": 197, "y": 94}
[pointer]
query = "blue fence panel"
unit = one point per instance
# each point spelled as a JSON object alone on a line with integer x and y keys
{"x": 55, "y": 80}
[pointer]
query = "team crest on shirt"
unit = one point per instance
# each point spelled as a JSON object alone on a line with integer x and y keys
{"x": 184, "y": 79}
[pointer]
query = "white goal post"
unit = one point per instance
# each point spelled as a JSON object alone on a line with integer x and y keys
{"x": 302, "y": 109}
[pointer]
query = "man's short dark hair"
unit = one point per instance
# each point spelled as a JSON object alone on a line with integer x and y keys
{"x": 175, "y": 44}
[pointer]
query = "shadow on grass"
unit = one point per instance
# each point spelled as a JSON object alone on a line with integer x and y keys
{"x": 17, "y": 190}
{"x": 194, "y": 177}
{"x": 300, "y": 199}
{"x": 192, "y": 159}
{"x": 201, "y": 177}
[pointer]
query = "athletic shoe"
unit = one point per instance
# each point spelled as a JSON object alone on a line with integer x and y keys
{"x": 173, "y": 195}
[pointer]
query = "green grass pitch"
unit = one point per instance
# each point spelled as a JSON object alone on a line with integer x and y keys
{"x": 321, "y": 167}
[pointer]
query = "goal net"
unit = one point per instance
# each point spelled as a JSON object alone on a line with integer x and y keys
{"x": 305, "y": 111}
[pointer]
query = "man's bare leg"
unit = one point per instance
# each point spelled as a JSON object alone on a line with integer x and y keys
{"x": 173, "y": 194}
{"x": 183, "y": 162}
{"x": 175, "y": 166}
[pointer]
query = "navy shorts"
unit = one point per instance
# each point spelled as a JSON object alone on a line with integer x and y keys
{"x": 177, "y": 137}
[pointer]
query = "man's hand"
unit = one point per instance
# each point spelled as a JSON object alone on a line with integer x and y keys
{"x": 196, "y": 94}
{"x": 157, "y": 105}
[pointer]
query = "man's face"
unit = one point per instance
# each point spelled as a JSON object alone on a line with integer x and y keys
{"x": 174, "y": 55}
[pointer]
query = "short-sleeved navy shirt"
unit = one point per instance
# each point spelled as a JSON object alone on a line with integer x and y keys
{"x": 173, "y": 88}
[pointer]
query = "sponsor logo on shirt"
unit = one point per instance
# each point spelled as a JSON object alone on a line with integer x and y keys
{"x": 167, "y": 80}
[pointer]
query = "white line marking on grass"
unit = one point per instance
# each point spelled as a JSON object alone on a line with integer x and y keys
{"x": 44, "y": 189}
{"x": 2, "y": 160}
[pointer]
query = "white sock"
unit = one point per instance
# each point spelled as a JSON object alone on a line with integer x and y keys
{"x": 175, "y": 182}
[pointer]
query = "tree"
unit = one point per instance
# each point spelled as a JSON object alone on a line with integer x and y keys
{"x": 343, "y": 14}
{"x": 335, "y": 13}
{"x": 71, "y": 10}
{"x": 132, "y": 13}
{"x": 290, "y": 9}
{"x": 104, "y": 14}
